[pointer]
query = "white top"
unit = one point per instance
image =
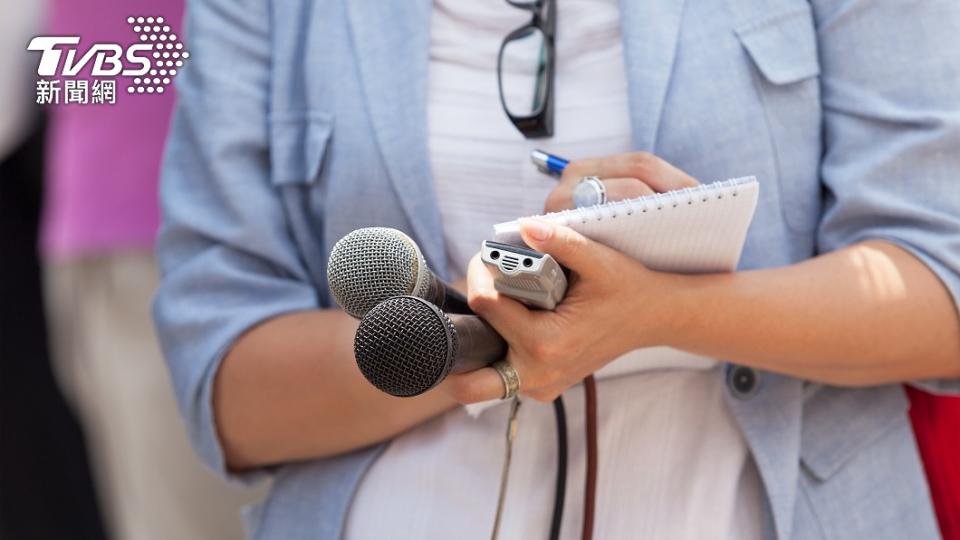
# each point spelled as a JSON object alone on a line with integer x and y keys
{"x": 672, "y": 461}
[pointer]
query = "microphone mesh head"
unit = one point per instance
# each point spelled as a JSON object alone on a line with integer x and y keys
{"x": 405, "y": 346}
{"x": 370, "y": 265}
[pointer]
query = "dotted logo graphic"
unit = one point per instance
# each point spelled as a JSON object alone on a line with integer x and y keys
{"x": 167, "y": 56}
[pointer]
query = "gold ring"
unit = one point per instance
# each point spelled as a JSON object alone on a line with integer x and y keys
{"x": 510, "y": 377}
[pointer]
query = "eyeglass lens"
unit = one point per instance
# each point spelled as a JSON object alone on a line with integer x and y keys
{"x": 523, "y": 72}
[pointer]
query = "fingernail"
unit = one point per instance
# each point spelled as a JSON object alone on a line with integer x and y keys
{"x": 537, "y": 229}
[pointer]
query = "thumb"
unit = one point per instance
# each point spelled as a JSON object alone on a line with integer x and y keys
{"x": 567, "y": 246}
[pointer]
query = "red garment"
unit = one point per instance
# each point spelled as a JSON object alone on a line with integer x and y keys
{"x": 936, "y": 425}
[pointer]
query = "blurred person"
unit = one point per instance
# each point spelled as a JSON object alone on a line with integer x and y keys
{"x": 301, "y": 121}
{"x": 46, "y": 492}
{"x": 99, "y": 227}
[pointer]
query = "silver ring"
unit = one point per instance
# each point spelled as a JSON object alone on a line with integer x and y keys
{"x": 588, "y": 192}
{"x": 510, "y": 377}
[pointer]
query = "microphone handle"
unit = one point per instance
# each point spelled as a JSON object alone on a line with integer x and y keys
{"x": 479, "y": 344}
{"x": 445, "y": 297}
{"x": 453, "y": 301}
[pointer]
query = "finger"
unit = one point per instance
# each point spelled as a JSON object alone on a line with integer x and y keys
{"x": 479, "y": 276}
{"x": 506, "y": 315}
{"x": 561, "y": 198}
{"x": 661, "y": 175}
{"x": 619, "y": 189}
{"x": 460, "y": 286}
{"x": 654, "y": 171}
{"x": 567, "y": 246}
{"x": 475, "y": 386}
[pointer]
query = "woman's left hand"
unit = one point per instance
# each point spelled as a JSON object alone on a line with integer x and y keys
{"x": 613, "y": 305}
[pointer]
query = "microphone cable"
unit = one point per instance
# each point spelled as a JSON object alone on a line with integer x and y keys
{"x": 590, "y": 489}
{"x": 561, "y": 487}
{"x": 561, "y": 413}
{"x": 505, "y": 472}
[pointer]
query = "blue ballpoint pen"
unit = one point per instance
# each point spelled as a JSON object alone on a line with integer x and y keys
{"x": 548, "y": 163}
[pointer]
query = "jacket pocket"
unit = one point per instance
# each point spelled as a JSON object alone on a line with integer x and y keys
{"x": 783, "y": 50}
{"x": 298, "y": 143}
{"x": 862, "y": 476}
{"x": 783, "y": 46}
{"x": 839, "y": 423}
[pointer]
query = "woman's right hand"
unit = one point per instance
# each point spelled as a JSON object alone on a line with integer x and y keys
{"x": 625, "y": 176}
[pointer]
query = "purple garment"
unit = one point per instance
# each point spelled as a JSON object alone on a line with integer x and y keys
{"x": 103, "y": 161}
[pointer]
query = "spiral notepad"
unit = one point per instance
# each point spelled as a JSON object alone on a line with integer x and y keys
{"x": 692, "y": 230}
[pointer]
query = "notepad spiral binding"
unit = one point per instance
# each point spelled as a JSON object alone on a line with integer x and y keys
{"x": 689, "y": 195}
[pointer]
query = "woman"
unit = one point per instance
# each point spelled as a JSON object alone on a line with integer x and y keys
{"x": 303, "y": 121}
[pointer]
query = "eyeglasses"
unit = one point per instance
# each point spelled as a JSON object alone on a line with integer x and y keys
{"x": 525, "y": 70}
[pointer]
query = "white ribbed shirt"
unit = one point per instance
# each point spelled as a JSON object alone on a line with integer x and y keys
{"x": 672, "y": 462}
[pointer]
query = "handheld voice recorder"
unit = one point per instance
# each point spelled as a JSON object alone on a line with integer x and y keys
{"x": 529, "y": 276}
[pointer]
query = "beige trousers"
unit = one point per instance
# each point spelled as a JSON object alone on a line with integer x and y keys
{"x": 150, "y": 482}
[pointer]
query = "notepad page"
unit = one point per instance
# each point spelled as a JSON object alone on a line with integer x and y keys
{"x": 692, "y": 230}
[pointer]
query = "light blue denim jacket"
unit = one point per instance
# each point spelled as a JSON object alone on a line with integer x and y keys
{"x": 299, "y": 121}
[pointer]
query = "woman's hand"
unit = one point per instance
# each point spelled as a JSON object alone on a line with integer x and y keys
{"x": 609, "y": 306}
{"x": 625, "y": 176}
{"x": 613, "y": 305}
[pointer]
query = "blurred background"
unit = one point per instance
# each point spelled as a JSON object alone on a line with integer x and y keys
{"x": 91, "y": 442}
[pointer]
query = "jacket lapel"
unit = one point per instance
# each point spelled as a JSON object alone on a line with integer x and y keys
{"x": 392, "y": 41}
{"x": 650, "y": 31}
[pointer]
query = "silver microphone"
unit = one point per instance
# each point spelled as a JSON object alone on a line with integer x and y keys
{"x": 407, "y": 345}
{"x": 370, "y": 265}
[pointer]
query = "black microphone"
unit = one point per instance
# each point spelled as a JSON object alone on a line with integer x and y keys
{"x": 373, "y": 264}
{"x": 407, "y": 345}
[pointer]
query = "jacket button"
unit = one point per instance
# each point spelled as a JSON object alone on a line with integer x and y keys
{"x": 742, "y": 381}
